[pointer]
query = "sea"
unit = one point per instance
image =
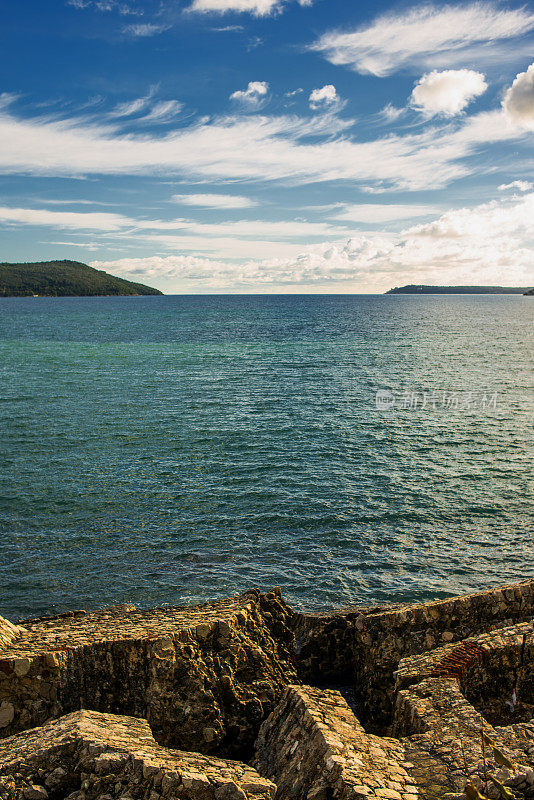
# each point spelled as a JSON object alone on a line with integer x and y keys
{"x": 353, "y": 450}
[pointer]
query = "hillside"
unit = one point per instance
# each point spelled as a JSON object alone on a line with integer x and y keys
{"x": 530, "y": 292}
{"x": 426, "y": 289}
{"x": 63, "y": 279}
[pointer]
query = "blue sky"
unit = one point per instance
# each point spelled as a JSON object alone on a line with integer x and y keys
{"x": 266, "y": 146}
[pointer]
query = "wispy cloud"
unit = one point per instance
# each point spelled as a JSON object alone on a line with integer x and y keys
{"x": 286, "y": 148}
{"x": 214, "y": 200}
{"x": 380, "y": 213}
{"x": 164, "y": 111}
{"x": 106, "y": 5}
{"x": 425, "y": 36}
{"x": 229, "y": 29}
{"x": 74, "y": 220}
{"x": 130, "y": 107}
{"x": 140, "y": 29}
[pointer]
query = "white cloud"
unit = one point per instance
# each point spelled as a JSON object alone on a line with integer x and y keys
{"x": 258, "y": 8}
{"x": 324, "y": 97}
{"x": 426, "y": 36}
{"x": 266, "y": 148}
{"x": 73, "y": 220}
{"x": 521, "y": 186}
{"x": 130, "y": 107}
{"x": 254, "y": 95}
{"x": 519, "y": 100}
{"x": 230, "y": 239}
{"x": 229, "y": 29}
{"x": 106, "y": 5}
{"x": 447, "y": 92}
{"x": 214, "y": 200}
{"x": 140, "y": 30}
{"x": 164, "y": 111}
{"x": 382, "y": 212}
{"x": 492, "y": 221}
{"x": 489, "y": 244}
{"x": 390, "y": 113}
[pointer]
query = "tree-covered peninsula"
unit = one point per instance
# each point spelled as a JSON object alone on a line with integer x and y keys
{"x": 63, "y": 279}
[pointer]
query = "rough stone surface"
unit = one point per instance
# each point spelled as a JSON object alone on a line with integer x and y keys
{"x": 313, "y": 747}
{"x": 9, "y": 632}
{"x": 91, "y": 756}
{"x": 365, "y": 645}
{"x": 423, "y": 681}
{"x": 204, "y": 677}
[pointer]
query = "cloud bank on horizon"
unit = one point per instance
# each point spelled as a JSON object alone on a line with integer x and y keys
{"x": 225, "y": 145}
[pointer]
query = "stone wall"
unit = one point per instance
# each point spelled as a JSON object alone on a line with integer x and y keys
{"x": 364, "y": 646}
{"x": 9, "y": 632}
{"x": 495, "y": 672}
{"x": 314, "y": 748}
{"x": 91, "y": 756}
{"x": 204, "y": 677}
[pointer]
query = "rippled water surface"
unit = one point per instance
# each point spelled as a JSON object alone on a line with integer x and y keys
{"x": 172, "y": 449}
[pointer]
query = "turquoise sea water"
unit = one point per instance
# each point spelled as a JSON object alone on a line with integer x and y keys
{"x": 172, "y": 449}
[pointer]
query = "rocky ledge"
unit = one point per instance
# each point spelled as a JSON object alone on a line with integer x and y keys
{"x": 391, "y": 703}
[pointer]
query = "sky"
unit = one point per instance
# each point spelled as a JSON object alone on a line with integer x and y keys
{"x": 258, "y": 146}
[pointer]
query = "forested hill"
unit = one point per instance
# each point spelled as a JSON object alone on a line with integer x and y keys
{"x": 422, "y": 289}
{"x": 63, "y": 279}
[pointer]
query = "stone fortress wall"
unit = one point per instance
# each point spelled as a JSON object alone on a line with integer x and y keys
{"x": 358, "y": 703}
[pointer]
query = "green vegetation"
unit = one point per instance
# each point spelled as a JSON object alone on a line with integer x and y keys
{"x": 414, "y": 289}
{"x": 63, "y": 279}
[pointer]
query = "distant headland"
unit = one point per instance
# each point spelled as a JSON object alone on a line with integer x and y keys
{"x": 63, "y": 279}
{"x": 425, "y": 289}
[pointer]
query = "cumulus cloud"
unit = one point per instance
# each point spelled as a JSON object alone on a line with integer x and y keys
{"x": 519, "y": 100}
{"x": 447, "y": 92}
{"x": 324, "y": 97}
{"x": 521, "y": 186}
{"x": 488, "y": 244}
{"x": 214, "y": 200}
{"x": 254, "y": 95}
{"x": 258, "y": 8}
{"x": 425, "y": 36}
